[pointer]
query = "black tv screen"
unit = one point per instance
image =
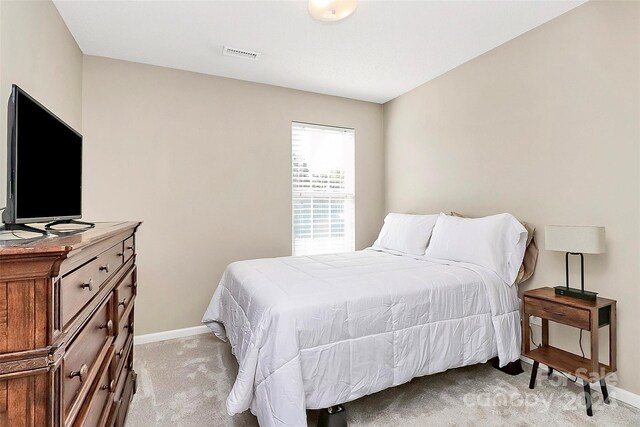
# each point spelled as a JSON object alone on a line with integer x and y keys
{"x": 45, "y": 161}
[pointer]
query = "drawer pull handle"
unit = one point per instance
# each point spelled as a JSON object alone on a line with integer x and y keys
{"x": 81, "y": 374}
{"x": 129, "y": 326}
{"x": 129, "y": 248}
{"x": 132, "y": 285}
{"x": 123, "y": 302}
{"x": 120, "y": 254}
{"x": 109, "y": 386}
{"x": 120, "y": 353}
{"x": 108, "y": 326}
{"x": 104, "y": 268}
{"x": 88, "y": 285}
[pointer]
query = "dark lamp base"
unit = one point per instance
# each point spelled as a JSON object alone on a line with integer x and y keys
{"x": 576, "y": 293}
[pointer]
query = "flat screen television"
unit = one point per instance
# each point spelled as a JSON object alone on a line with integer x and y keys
{"x": 44, "y": 166}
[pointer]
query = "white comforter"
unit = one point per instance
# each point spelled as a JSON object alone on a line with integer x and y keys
{"x": 312, "y": 332}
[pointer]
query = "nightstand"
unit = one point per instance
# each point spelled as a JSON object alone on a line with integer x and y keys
{"x": 587, "y": 315}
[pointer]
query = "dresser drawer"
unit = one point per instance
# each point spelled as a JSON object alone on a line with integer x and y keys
{"x": 129, "y": 248}
{"x": 97, "y": 406}
{"x": 113, "y": 417}
{"x": 127, "y": 395}
{"x": 560, "y": 313}
{"x": 123, "y": 351}
{"x": 124, "y": 368}
{"x": 84, "y": 356}
{"x": 125, "y": 292}
{"x": 125, "y": 334}
{"x": 77, "y": 289}
{"x": 109, "y": 261}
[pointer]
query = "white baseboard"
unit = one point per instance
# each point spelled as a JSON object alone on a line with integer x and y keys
{"x": 169, "y": 335}
{"x": 615, "y": 392}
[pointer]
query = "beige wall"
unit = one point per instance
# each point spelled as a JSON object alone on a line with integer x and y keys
{"x": 547, "y": 127}
{"x": 205, "y": 162}
{"x": 38, "y": 53}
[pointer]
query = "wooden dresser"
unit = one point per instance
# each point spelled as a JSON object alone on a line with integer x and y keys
{"x": 66, "y": 328}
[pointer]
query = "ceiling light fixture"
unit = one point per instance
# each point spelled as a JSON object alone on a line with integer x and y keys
{"x": 331, "y": 10}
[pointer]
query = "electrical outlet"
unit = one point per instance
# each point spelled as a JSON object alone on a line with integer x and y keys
{"x": 535, "y": 320}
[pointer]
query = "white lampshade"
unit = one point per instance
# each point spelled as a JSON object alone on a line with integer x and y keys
{"x": 575, "y": 238}
{"x": 331, "y": 10}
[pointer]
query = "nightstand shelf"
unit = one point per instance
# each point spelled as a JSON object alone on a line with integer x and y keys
{"x": 564, "y": 361}
{"x": 586, "y": 315}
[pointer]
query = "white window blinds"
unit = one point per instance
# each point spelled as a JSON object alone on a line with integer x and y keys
{"x": 323, "y": 176}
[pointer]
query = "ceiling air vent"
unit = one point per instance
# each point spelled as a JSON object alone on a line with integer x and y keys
{"x": 240, "y": 53}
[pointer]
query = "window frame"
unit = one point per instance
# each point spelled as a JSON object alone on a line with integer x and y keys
{"x": 347, "y": 196}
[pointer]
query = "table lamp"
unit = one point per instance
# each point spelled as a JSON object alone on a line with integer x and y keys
{"x": 575, "y": 240}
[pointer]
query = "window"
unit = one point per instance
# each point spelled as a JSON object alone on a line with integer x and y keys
{"x": 323, "y": 175}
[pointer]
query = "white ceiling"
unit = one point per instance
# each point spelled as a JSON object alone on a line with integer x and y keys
{"x": 383, "y": 50}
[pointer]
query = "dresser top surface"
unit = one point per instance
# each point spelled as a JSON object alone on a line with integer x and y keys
{"x": 60, "y": 241}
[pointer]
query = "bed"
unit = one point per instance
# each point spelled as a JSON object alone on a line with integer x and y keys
{"x": 311, "y": 332}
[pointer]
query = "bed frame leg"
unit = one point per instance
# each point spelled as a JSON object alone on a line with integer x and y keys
{"x": 334, "y": 416}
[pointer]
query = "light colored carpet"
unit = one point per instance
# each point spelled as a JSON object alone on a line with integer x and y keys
{"x": 185, "y": 382}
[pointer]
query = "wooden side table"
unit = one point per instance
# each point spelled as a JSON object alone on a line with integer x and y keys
{"x": 586, "y": 315}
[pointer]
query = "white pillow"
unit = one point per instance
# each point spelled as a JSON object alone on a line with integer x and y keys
{"x": 495, "y": 242}
{"x": 405, "y": 233}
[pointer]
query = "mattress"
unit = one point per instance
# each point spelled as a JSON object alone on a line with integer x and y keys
{"x": 316, "y": 331}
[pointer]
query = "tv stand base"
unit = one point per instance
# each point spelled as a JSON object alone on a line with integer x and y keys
{"x": 50, "y": 225}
